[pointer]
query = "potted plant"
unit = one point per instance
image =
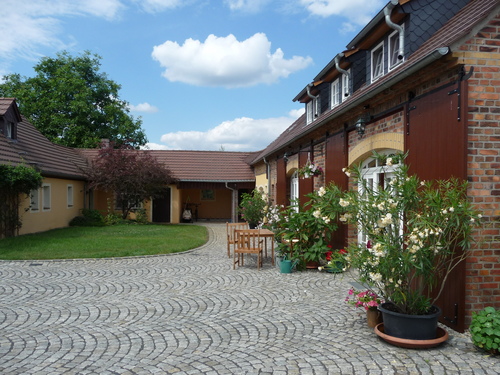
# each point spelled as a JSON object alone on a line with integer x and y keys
{"x": 413, "y": 233}
{"x": 252, "y": 208}
{"x": 310, "y": 170}
{"x": 369, "y": 301}
{"x": 336, "y": 261}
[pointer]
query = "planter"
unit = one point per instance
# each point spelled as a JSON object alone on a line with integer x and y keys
{"x": 336, "y": 267}
{"x": 413, "y": 327}
{"x": 310, "y": 265}
{"x": 373, "y": 317}
{"x": 441, "y": 336}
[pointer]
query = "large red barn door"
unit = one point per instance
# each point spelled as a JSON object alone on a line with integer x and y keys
{"x": 436, "y": 141}
{"x": 336, "y": 159}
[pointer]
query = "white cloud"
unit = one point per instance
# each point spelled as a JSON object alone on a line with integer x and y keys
{"x": 143, "y": 107}
{"x": 153, "y": 6}
{"x": 153, "y": 146}
{"x": 241, "y": 134}
{"x": 359, "y": 12}
{"x": 225, "y": 61}
{"x": 250, "y": 6}
{"x": 29, "y": 25}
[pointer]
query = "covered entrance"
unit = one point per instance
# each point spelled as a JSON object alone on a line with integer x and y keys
{"x": 162, "y": 207}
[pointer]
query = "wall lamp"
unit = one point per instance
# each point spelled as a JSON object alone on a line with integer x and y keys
{"x": 361, "y": 124}
{"x": 285, "y": 157}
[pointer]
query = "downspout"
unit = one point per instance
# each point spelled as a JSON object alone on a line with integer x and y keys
{"x": 234, "y": 201}
{"x": 344, "y": 72}
{"x": 387, "y": 12}
{"x": 308, "y": 88}
{"x": 268, "y": 175}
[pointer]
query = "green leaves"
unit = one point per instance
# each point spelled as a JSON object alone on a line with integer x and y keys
{"x": 485, "y": 329}
{"x": 74, "y": 104}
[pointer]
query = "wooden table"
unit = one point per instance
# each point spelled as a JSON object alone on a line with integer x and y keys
{"x": 265, "y": 233}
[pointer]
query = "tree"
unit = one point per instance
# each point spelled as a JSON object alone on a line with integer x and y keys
{"x": 73, "y": 104}
{"x": 133, "y": 175}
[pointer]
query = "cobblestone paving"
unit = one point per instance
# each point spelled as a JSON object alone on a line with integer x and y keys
{"x": 191, "y": 313}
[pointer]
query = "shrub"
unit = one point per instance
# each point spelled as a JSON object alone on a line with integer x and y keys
{"x": 485, "y": 329}
{"x": 89, "y": 218}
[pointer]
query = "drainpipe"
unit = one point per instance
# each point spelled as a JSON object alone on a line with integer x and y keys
{"x": 234, "y": 202}
{"x": 344, "y": 72}
{"x": 308, "y": 88}
{"x": 387, "y": 12}
{"x": 268, "y": 174}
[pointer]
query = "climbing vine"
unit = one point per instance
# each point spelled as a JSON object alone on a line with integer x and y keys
{"x": 14, "y": 182}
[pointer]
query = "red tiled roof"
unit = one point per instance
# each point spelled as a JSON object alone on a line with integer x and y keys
{"x": 32, "y": 148}
{"x": 452, "y": 32}
{"x": 206, "y": 166}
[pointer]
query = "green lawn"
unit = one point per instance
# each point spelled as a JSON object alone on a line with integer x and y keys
{"x": 102, "y": 242}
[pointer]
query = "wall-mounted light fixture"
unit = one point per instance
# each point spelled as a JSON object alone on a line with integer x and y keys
{"x": 285, "y": 157}
{"x": 361, "y": 124}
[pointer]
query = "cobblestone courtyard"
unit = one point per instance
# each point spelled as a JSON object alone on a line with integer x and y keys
{"x": 191, "y": 313}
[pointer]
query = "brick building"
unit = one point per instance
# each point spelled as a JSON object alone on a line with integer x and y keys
{"x": 422, "y": 77}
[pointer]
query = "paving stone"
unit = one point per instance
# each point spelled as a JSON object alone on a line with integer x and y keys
{"x": 191, "y": 313}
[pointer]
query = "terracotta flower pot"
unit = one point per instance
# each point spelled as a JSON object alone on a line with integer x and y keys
{"x": 373, "y": 317}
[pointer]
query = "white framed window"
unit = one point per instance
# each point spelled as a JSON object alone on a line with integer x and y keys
{"x": 346, "y": 89}
{"x": 70, "y": 196}
{"x": 377, "y": 62}
{"x": 394, "y": 50}
{"x": 35, "y": 200}
{"x": 335, "y": 93}
{"x": 377, "y": 176}
{"x": 9, "y": 130}
{"x": 312, "y": 109}
{"x": 294, "y": 189}
{"x": 46, "y": 199}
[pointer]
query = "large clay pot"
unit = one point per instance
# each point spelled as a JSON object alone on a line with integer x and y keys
{"x": 414, "y": 327}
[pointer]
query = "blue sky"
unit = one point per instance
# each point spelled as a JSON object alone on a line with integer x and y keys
{"x": 202, "y": 74}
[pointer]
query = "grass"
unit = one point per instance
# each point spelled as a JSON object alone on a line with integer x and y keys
{"x": 103, "y": 242}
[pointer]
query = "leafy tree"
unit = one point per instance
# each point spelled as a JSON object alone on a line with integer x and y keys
{"x": 15, "y": 181}
{"x": 133, "y": 175}
{"x": 74, "y": 104}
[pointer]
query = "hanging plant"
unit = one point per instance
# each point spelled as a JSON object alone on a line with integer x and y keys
{"x": 310, "y": 170}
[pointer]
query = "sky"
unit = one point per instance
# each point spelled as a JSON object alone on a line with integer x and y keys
{"x": 201, "y": 74}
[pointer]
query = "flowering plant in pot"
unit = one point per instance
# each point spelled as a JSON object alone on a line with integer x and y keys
{"x": 252, "y": 207}
{"x": 413, "y": 233}
{"x": 310, "y": 170}
{"x": 368, "y": 300}
{"x": 336, "y": 260}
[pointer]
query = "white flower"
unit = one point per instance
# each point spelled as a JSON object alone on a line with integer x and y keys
{"x": 320, "y": 268}
{"x": 343, "y": 202}
{"x": 451, "y": 209}
{"x": 377, "y": 277}
{"x": 317, "y": 214}
{"x": 326, "y": 219}
{"x": 346, "y": 171}
{"x": 321, "y": 191}
{"x": 422, "y": 183}
{"x": 389, "y": 161}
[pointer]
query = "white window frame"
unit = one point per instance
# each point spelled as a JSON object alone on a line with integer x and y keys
{"x": 393, "y": 46}
{"x": 70, "y": 196}
{"x": 312, "y": 109}
{"x": 335, "y": 93}
{"x": 345, "y": 85}
{"x": 35, "y": 200}
{"x": 46, "y": 197}
{"x": 374, "y": 172}
{"x": 9, "y": 129}
{"x": 377, "y": 67}
{"x": 294, "y": 189}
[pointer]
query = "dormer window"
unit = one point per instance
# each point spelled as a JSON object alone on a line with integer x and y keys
{"x": 377, "y": 62}
{"x": 346, "y": 89}
{"x": 335, "y": 93}
{"x": 312, "y": 109}
{"x": 9, "y": 129}
{"x": 394, "y": 50}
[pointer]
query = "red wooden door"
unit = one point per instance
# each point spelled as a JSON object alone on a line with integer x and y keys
{"x": 436, "y": 141}
{"x": 336, "y": 159}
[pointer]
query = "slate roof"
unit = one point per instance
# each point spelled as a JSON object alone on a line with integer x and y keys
{"x": 436, "y": 46}
{"x": 202, "y": 166}
{"x": 32, "y": 148}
